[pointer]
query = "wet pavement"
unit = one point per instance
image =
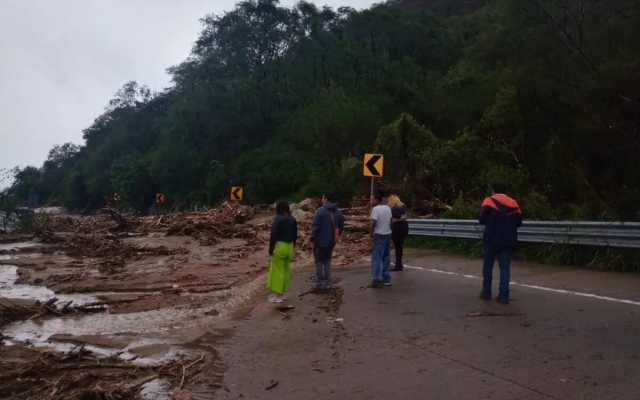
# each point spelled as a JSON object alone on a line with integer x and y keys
{"x": 568, "y": 334}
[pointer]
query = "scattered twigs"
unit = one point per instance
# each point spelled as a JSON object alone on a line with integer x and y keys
{"x": 80, "y": 374}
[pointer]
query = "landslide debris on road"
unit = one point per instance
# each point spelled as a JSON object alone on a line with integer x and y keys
{"x": 164, "y": 257}
{"x": 129, "y": 264}
{"x": 161, "y": 258}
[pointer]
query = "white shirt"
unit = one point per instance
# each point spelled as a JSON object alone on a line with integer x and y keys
{"x": 382, "y": 215}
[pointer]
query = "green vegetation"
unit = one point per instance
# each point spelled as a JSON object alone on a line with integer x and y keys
{"x": 541, "y": 94}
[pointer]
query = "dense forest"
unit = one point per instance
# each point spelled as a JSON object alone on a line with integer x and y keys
{"x": 543, "y": 95}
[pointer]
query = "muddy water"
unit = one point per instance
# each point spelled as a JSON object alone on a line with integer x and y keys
{"x": 151, "y": 336}
{"x": 18, "y": 245}
{"x": 157, "y": 389}
{"x": 148, "y": 337}
{"x": 8, "y": 289}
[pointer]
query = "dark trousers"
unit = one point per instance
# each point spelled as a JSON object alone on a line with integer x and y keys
{"x": 503, "y": 255}
{"x": 322, "y": 260}
{"x": 399, "y": 232}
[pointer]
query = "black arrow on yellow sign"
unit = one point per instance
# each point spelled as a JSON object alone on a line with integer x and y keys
{"x": 373, "y": 165}
{"x": 236, "y": 193}
{"x": 159, "y": 197}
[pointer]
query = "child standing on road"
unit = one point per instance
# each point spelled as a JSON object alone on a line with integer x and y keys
{"x": 284, "y": 234}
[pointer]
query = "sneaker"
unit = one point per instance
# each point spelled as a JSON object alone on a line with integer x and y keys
{"x": 276, "y": 299}
{"x": 400, "y": 268}
{"x": 387, "y": 283}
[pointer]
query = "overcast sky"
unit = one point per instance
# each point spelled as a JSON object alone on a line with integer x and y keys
{"x": 62, "y": 60}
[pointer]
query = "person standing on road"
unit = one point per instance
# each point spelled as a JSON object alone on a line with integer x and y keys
{"x": 381, "y": 238}
{"x": 284, "y": 234}
{"x": 326, "y": 229}
{"x": 501, "y": 217}
{"x": 399, "y": 228}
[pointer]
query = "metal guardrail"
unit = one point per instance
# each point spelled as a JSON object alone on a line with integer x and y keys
{"x": 611, "y": 234}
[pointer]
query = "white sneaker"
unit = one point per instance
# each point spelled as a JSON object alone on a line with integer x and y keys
{"x": 276, "y": 299}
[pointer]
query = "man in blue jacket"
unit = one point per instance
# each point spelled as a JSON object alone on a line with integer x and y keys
{"x": 326, "y": 229}
{"x": 501, "y": 217}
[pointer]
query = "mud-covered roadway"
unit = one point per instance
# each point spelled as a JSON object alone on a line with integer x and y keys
{"x": 115, "y": 306}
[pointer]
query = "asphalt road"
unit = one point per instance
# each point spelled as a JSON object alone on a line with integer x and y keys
{"x": 568, "y": 334}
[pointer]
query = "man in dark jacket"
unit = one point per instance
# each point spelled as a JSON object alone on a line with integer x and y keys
{"x": 501, "y": 217}
{"x": 326, "y": 221}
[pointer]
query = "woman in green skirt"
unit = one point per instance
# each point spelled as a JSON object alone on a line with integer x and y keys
{"x": 284, "y": 234}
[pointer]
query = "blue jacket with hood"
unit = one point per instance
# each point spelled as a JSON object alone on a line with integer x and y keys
{"x": 322, "y": 226}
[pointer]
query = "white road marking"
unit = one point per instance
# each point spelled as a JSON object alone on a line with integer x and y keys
{"x": 547, "y": 289}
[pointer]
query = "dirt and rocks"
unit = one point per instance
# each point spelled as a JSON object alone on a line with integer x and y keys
{"x": 84, "y": 295}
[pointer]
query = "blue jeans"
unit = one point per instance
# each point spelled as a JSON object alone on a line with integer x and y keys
{"x": 322, "y": 259}
{"x": 381, "y": 258}
{"x": 503, "y": 254}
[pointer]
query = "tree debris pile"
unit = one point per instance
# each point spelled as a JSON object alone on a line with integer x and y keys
{"x": 104, "y": 223}
{"x": 226, "y": 221}
{"x": 80, "y": 374}
{"x": 106, "y": 246}
{"x": 51, "y": 307}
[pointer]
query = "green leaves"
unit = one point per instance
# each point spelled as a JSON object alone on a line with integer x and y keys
{"x": 538, "y": 94}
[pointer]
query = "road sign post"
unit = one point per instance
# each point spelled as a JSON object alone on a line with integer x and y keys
{"x": 373, "y": 167}
{"x": 236, "y": 193}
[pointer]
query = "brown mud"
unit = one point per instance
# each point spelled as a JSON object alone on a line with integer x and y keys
{"x": 115, "y": 306}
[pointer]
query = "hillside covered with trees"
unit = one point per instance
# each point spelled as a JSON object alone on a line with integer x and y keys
{"x": 543, "y": 95}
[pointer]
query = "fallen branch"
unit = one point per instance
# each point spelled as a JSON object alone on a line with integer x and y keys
{"x": 493, "y": 314}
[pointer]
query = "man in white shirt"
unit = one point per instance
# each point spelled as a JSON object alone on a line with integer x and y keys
{"x": 381, "y": 238}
